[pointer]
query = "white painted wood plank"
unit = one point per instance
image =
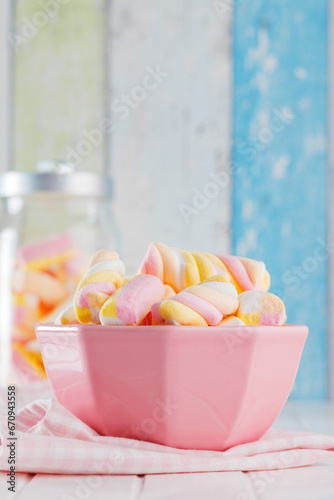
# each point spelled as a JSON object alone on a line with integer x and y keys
{"x": 302, "y": 483}
{"x": 5, "y": 84}
{"x": 53, "y": 487}
{"x": 213, "y": 485}
{"x": 168, "y": 141}
{"x": 22, "y": 480}
{"x": 310, "y": 416}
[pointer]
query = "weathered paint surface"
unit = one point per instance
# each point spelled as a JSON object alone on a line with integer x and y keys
{"x": 167, "y": 145}
{"x": 171, "y": 139}
{"x": 279, "y": 197}
{"x": 59, "y": 90}
{"x": 5, "y": 85}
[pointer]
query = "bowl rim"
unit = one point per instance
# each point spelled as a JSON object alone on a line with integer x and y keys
{"x": 91, "y": 329}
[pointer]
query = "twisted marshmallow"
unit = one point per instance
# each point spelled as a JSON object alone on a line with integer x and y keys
{"x": 231, "y": 321}
{"x": 67, "y": 317}
{"x": 173, "y": 266}
{"x": 132, "y": 302}
{"x": 103, "y": 277}
{"x": 181, "y": 269}
{"x": 198, "y": 305}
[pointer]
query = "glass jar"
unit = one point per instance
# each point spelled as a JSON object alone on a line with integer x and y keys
{"x": 50, "y": 225}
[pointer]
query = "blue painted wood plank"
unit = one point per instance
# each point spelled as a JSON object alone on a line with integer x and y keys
{"x": 279, "y": 143}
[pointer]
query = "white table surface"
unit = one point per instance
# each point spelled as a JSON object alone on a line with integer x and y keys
{"x": 315, "y": 482}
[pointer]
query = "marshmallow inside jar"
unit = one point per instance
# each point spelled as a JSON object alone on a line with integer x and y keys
{"x": 261, "y": 308}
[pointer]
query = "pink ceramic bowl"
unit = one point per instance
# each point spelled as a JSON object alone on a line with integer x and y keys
{"x": 187, "y": 387}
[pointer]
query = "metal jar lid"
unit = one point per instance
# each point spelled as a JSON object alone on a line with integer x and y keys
{"x": 16, "y": 183}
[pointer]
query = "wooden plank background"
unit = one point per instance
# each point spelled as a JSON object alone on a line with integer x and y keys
{"x": 59, "y": 93}
{"x": 168, "y": 146}
{"x": 5, "y": 84}
{"x": 280, "y": 199}
{"x": 166, "y": 149}
{"x": 331, "y": 190}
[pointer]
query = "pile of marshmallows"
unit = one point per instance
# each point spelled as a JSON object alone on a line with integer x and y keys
{"x": 175, "y": 287}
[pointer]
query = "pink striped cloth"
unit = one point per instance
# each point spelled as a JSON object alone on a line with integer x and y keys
{"x": 52, "y": 440}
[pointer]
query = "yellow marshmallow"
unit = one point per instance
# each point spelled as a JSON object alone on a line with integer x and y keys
{"x": 174, "y": 311}
{"x": 250, "y": 318}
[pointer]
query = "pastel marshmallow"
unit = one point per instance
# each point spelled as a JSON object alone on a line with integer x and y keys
{"x": 181, "y": 269}
{"x": 261, "y": 308}
{"x": 231, "y": 321}
{"x": 244, "y": 273}
{"x": 26, "y": 309}
{"x": 47, "y": 288}
{"x": 173, "y": 266}
{"x": 41, "y": 255}
{"x": 67, "y": 317}
{"x": 132, "y": 302}
{"x": 102, "y": 256}
{"x": 168, "y": 292}
{"x": 100, "y": 281}
{"x": 198, "y": 305}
